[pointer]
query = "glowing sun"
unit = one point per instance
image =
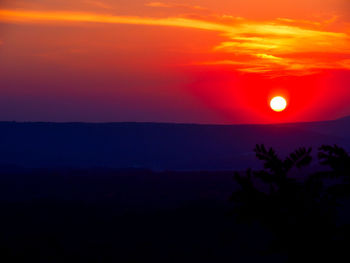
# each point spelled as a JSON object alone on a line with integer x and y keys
{"x": 278, "y": 104}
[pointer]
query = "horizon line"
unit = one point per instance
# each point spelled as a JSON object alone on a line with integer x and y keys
{"x": 172, "y": 123}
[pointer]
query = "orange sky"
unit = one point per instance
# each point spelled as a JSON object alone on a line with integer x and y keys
{"x": 182, "y": 61}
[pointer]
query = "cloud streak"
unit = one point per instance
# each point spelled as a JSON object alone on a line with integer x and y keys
{"x": 18, "y": 16}
{"x": 166, "y": 5}
{"x": 283, "y": 46}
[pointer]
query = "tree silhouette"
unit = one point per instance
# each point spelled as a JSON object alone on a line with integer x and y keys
{"x": 336, "y": 158}
{"x": 300, "y": 213}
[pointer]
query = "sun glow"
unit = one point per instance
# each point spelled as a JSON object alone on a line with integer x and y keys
{"x": 278, "y": 104}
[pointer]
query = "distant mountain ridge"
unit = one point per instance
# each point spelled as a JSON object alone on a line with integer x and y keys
{"x": 159, "y": 146}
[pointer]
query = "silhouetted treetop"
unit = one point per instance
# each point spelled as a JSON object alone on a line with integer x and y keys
{"x": 302, "y": 214}
{"x": 336, "y": 158}
{"x": 299, "y": 158}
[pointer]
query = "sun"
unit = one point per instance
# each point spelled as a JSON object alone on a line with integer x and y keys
{"x": 278, "y": 104}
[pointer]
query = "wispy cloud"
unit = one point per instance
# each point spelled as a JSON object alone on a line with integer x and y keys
{"x": 20, "y": 16}
{"x": 172, "y": 5}
{"x": 273, "y": 47}
{"x": 273, "y": 66}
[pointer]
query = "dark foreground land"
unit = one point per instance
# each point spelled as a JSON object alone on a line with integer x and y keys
{"x": 58, "y": 205}
{"x": 143, "y": 216}
{"x": 131, "y": 216}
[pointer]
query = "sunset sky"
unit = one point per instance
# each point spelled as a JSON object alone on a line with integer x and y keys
{"x": 183, "y": 61}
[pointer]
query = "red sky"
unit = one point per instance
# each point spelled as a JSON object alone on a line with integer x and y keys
{"x": 175, "y": 61}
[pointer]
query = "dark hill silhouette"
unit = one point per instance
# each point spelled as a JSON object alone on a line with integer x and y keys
{"x": 157, "y": 145}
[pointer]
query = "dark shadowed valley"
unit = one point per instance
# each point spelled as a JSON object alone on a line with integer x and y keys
{"x": 156, "y": 146}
